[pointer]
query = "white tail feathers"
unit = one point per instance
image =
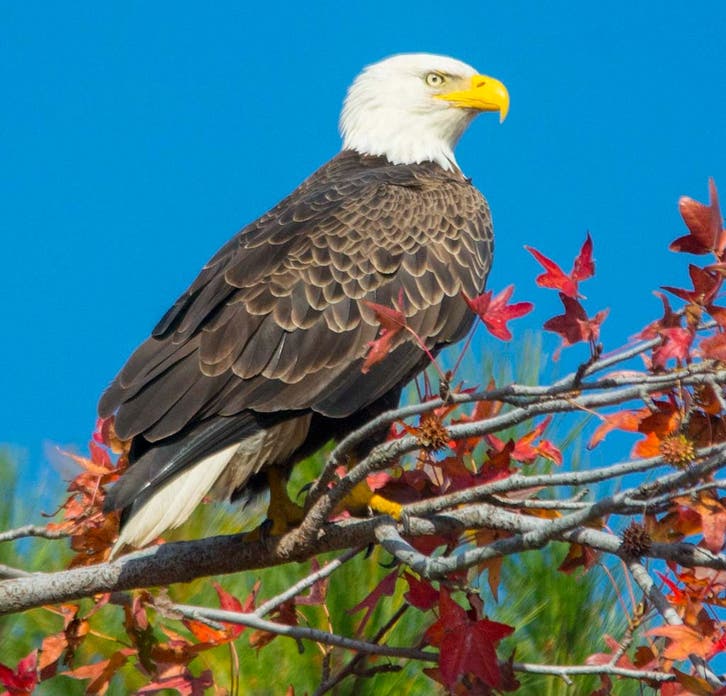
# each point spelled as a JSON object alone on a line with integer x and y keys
{"x": 219, "y": 475}
{"x": 172, "y": 504}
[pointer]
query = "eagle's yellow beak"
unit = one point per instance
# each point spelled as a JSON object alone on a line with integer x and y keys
{"x": 483, "y": 94}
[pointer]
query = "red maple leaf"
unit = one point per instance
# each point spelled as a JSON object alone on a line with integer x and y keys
{"x": 714, "y": 347}
{"x": 495, "y": 312}
{"x": 685, "y": 641}
{"x": 179, "y": 679}
{"x": 22, "y": 680}
{"x": 584, "y": 266}
{"x": 676, "y": 346}
{"x": 706, "y": 285}
{"x": 578, "y": 556}
{"x": 669, "y": 319}
{"x": 466, "y": 645}
{"x": 384, "y": 588}
{"x": 705, "y": 230}
{"x": 526, "y": 451}
{"x": 554, "y": 277}
{"x": 574, "y": 326}
{"x": 420, "y": 593}
{"x": 101, "y": 673}
{"x": 209, "y": 636}
{"x": 318, "y": 590}
{"x": 712, "y": 511}
{"x": 620, "y": 420}
{"x": 392, "y": 322}
{"x": 285, "y": 613}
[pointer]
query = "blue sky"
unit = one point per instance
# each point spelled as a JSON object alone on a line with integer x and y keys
{"x": 136, "y": 137}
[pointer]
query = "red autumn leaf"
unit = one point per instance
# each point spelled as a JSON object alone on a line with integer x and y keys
{"x": 526, "y": 451}
{"x": 318, "y": 590}
{"x": 621, "y": 420}
{"x": 285, "y": 613}
{"x": 497, "y": 464}
{"x": 177, "y": 650}
{"x": 181, "y": 680}
{"x": 210, "y": 636}
{"x": 678, "y": 597}
{"x": 712, "y": 512}
{"x": 693, "y": 685}
{"x": 685, "y": 641}
{"x": 101, "y": 673}
{"x": 706, "y": 285}
{"x": 384, "y": 588}
{"x": 51, "y": 650}
{"x": 714, "y": 347}
{"x": 579, "y": 556}
{"x": 105, "y": 434}
{"x": 420, "y": 593}
{"x": 657, "y": 425}
{"x": 554, "y": 277}
{"x": 714, "y": 529}
{"x": 229, "y": 602}
{"x": 718, "y": 314}
{"x": 495, "y": 312}
{"x": 574, "y": 326}
{"x": 466, "y": 646}
{"x": 492, "y": 566}
{"x": 704, "y": 223}
{"x": 392, "y": 322}
{"x": 584, "y": 266}
{"x": 669, "y": 320}
{"x": 676, "y": 346}
{"x": 22, "y": 680}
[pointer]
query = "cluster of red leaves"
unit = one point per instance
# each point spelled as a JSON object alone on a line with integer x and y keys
{"x": 677, "y": 330}
{"x": 465, "y": 463}
{"x": 466, "y": 639}
{"x": 163, "y": 656}
{"x": 692, "y": 593}
{"x": 574, "y": 325}
{"x": 92, "y": 531}
{"x": 495, "y": 312}
{"x": 674, "y": 426}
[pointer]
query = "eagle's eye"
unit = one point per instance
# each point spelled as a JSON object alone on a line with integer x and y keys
{"x": 434, "y": 79}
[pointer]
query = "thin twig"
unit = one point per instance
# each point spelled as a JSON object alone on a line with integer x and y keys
{"x": 308, "y": 581}
{"x": 31, "y": 530}
{"x": 251, "y": 620}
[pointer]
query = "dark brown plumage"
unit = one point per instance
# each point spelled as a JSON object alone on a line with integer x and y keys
{"x": 273, "y": 332}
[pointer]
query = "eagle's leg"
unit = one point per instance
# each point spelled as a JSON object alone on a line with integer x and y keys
{"x": 282, "y": 513}
{"x": 362, "y": 498}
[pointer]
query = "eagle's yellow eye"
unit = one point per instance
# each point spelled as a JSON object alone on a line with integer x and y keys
{"x": 434, "y": 79}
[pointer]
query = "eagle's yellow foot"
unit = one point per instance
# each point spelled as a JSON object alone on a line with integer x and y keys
{"x": 282, "y": 513}
{"x": 362, "y": 499}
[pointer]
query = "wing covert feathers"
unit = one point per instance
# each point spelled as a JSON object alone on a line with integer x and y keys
{"x": 277, "y": 318}
{"x": 275, "y": 328}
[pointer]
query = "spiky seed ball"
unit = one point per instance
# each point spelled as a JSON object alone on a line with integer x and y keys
{"x": 677, "y": 450}
{"x": 432, "y": 434}
{"x": 636, "y": 541}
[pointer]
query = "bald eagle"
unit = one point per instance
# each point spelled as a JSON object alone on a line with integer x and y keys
{"x": 258, "y": 363}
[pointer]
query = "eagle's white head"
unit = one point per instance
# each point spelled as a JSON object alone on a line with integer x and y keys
{"x": 415, "y": 107}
